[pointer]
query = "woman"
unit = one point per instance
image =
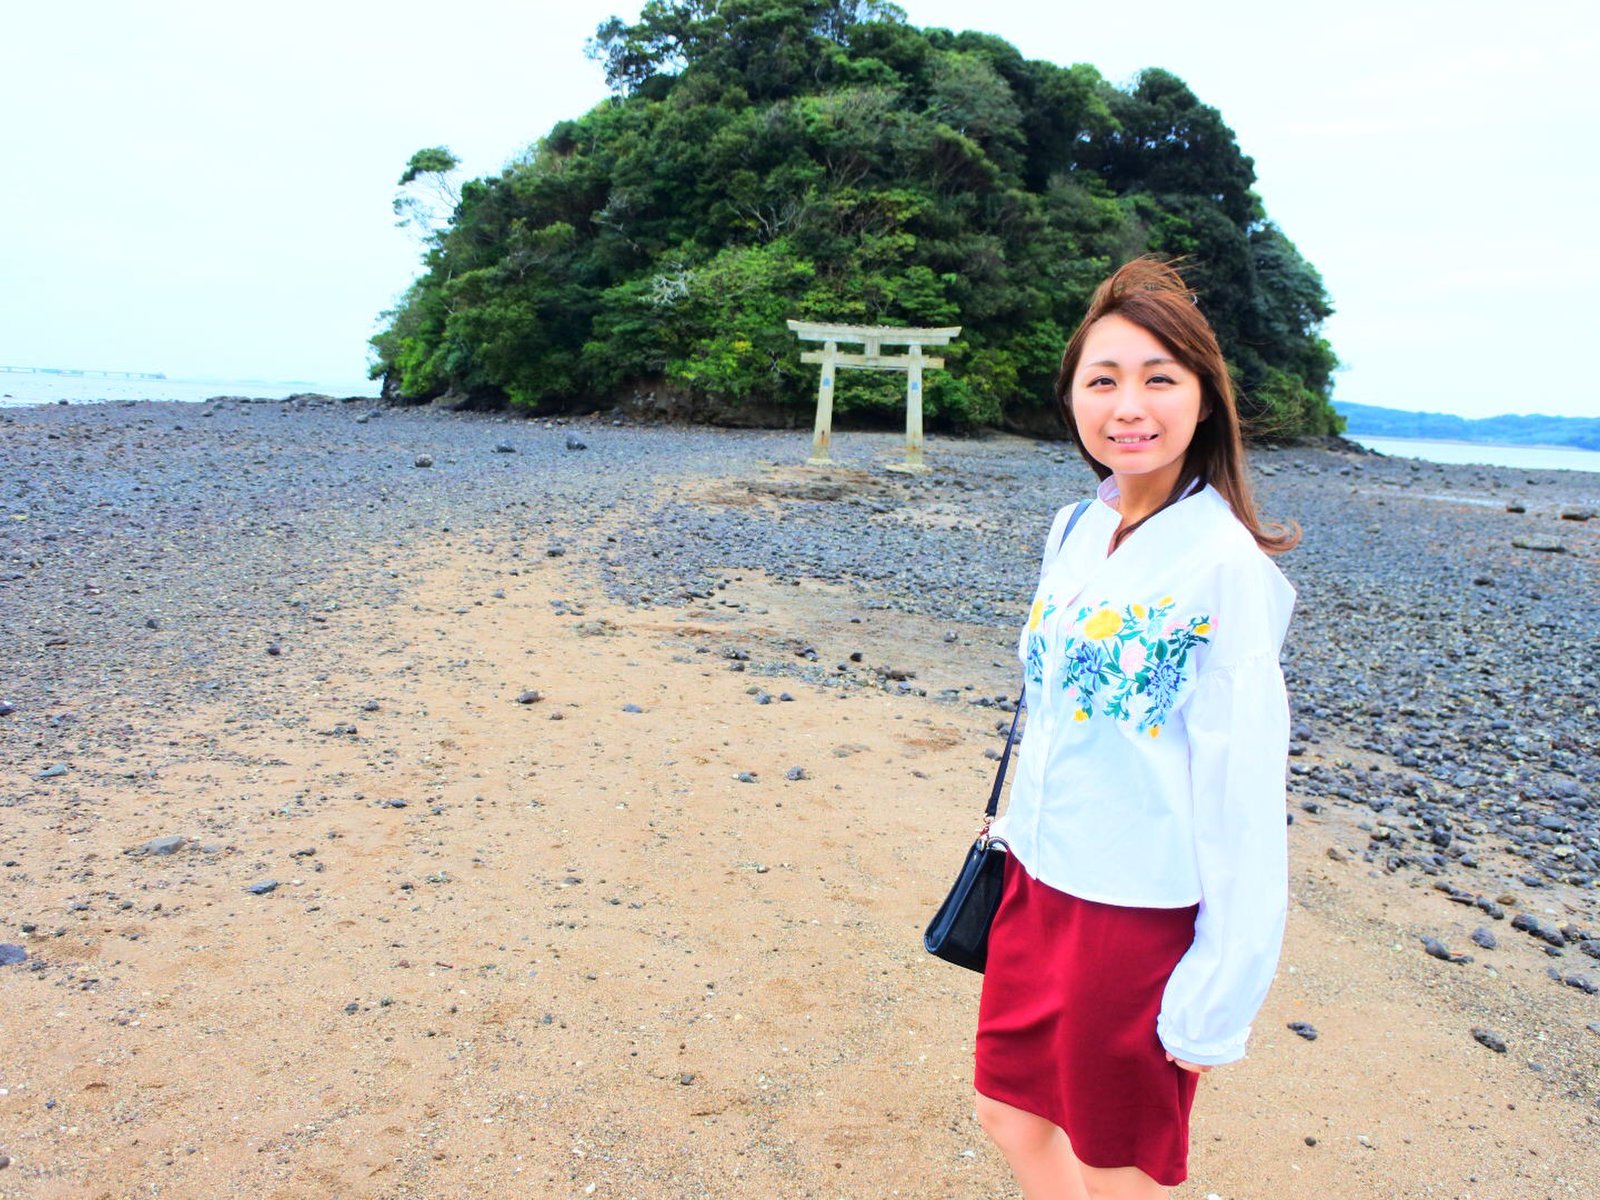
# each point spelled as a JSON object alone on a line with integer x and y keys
{"x": 1147, "y": 882}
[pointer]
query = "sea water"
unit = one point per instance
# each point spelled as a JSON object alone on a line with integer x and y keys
{"x": 1531, "y": 458}
{"x": 19, "y": 388}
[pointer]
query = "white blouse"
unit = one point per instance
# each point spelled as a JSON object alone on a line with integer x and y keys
{"x": 1152, "y": 770}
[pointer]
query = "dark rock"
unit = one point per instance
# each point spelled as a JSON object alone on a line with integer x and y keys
{"x": 746, "y": 777}
{"x": 53, "y": 771}
{"x": 263, "y": 888}
{"x": 422, "y": 460}
{"x": 1438, "y": 949}
{"x": 1488, "y": 1038}
{"x": 1577, "y": 514}
{"x": 1532, "y": 925}
{"x": 531, "y": 696}
{"x": 1305, "y": 1029}
{"x": 504, "y": 448}
{"x": 11, "y": 954}
{"x": 574, "y": 442}
{"x": 1482, "y": 937}
{"x": 1582, "y": 982}
{"x": 164, "y": 845}
{"x": 274, "y": 649}
{"x": 391, "y": 804}
{"x": 1542, "y": 545}
{"x": 632, "y": 708}
{"x": 7, "y": 708}
{"x": 1516, "y": 506}
{"x": 795, "y": 774}
{"x": 686, "y": 1078}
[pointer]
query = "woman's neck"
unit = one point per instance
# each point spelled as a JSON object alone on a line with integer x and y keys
{"x": 1138, "y": 496}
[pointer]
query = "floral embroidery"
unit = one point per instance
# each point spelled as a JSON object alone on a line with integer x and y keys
{"x": 1033, "y": 668}
{"x": 1129, "y": 664}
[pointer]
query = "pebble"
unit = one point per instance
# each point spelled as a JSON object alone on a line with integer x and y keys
{"x": 1577, "y": 514}
{"x": 7, "y": 708}
{"x": 504, "y": 448}
{"x": 632, "y": 708}
{"x": 53, "y": 771}
{"x": 11, "y": 954}
{"x": 1483, "y": 937}
{"x": 1533, "y": 926}
{"x": 1438, "y": 949}
{"x": 164, "y": 845}
{"x": 1305, "y": 1029}
{"x": 531, "y": 696}
{"x": 746, "y": 777}
{"x": 795, "y": 774}
{"x": 422, "y": 460}
{"x": 263, "y": 888}
{"x": 1489, "y": 1038}
{"x": 574, "y": 442}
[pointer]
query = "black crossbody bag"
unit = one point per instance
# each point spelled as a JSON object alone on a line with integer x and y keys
{"x": 959, "y": 931}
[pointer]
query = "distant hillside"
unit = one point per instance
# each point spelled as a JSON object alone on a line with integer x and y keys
{"x": 1371, "y": 421}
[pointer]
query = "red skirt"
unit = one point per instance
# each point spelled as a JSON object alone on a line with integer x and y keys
{"x": 1067, "y": 1024}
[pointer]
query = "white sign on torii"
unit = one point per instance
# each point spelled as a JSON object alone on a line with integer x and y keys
{"x": 872, "y": 338}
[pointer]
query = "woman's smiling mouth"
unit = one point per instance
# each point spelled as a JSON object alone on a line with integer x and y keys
{"x": 1133, "y": 439}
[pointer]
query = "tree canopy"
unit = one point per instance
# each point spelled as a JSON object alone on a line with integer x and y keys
{"x": 825, "y": 160}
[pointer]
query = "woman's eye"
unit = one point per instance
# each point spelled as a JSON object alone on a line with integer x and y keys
{"x": 1161, "y": 379}
{"x": 1099, "y": 381}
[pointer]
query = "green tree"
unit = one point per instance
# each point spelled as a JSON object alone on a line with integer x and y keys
{"x": 766, "y": 159}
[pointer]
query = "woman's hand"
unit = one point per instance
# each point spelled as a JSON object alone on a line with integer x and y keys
{"x": 1188, "y": 1066}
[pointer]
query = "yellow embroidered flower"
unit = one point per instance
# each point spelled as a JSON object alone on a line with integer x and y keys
{"x": 1036, "y": 614}
{"x": 1103, "y": 624}
{"x": 1203, "y": 628}
{"x": 1164, "y": 601}
{"x": 1155, "y": 731}
{"x": 1081, "y": 714}
{"x": 1139, "y": 610}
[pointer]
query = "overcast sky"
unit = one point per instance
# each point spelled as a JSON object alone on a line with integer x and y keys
{"x": 203, "y": 189}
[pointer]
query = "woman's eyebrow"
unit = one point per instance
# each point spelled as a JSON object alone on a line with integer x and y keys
{"x": 1162, "y": 360}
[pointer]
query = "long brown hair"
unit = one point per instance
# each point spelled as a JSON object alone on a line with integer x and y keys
{"x": 1152, "y": 295}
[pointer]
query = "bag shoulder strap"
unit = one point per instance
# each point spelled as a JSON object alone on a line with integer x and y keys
{"x": 1016, "y": 714}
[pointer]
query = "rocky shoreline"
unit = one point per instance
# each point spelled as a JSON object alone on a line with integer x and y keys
{"x": 174, "y": 572}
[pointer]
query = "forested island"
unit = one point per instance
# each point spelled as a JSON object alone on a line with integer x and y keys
{"x": 825, "y": 160}
{"x": 1370, "y": 420}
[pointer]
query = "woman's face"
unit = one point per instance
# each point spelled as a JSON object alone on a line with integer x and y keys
{"x": 1136, "y": 407}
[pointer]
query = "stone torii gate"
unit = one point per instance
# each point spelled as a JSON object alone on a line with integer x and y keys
{"x": 872, "y": 338}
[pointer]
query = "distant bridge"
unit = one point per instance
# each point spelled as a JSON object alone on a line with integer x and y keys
{"x": 77, "y": 374}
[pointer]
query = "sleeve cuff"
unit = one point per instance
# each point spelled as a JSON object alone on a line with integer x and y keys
{"x": 1202, "y": 1054}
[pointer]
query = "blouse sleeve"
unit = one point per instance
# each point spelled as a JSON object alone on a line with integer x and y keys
{"x": 1238, "y": 729}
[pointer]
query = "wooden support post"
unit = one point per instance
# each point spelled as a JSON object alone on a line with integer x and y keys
{"x": 823, "y": 433}
{"x": 914, "y": 411}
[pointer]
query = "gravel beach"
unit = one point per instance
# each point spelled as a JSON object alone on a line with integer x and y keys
{"x": 405, "y": 803}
